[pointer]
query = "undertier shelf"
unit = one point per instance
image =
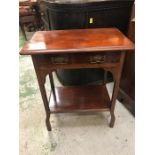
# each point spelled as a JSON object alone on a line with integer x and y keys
{"x": 80, "y": 99}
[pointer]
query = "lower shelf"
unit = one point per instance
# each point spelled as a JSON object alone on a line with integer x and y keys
{"x": 80, "y": 99}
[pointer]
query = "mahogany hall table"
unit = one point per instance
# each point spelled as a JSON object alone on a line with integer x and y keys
{"x": 82, "y": 48}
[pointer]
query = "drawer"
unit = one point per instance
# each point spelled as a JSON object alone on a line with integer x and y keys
{"x": 95, "y": 58}
{"x": 82, "y": 58}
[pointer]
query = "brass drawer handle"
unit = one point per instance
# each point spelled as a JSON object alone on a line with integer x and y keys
{"x": 42, "y": 14}
{"x": 60, "y": 60}
{"x": 97, "y": 59}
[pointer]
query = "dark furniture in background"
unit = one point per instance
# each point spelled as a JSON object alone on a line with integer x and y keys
{"x": 29, "y": 15}
{"x": 127, "y": 84}
{"x": 84, "y": 48}
{"x": 97, "y": 14}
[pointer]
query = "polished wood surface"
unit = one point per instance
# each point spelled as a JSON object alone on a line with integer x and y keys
{"x": 80, "y": 99}
{"x": 73, "y": 41}
{"x": 73, "y": 49}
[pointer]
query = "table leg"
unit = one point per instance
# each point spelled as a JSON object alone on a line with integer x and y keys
{"x": 46, "y": 105}
{"x": 105, "y": 77}
{"x": 52, "y": 85}
{"x": 23, "y": 31}
{"x": 113, "y": 102}
{"x": 117, "y": 75}
{"x": 41, "y": 81}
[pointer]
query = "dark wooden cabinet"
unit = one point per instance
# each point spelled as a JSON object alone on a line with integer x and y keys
{"x": 97, "y": 14}
{"x": 127, "y": 84}
{"x": 44, "y": 15}
{"x": 63, "y": 20}
{"x": 110, "y": 16}
{"x": 95, "y": 19}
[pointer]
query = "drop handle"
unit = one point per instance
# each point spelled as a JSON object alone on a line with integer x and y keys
{"x": 97, "y": 59}
{"x": 42, "y": 14}
{"x": 60, "y": 60}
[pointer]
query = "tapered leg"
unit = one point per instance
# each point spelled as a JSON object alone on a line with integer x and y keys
{"x": 105, "y": 77}
{"x": 23, "y": 31}
{"x": 46, "y": 105}
{"x": 48, "y": 125}
{"x": 113, "y": 102}
{"x": 52, "y": 85}
{"x": 112, "y": 121}
{"x": 41, "y": 80}
{"x": 117, "y": 75}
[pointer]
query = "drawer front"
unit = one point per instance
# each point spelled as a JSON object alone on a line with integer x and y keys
{"x": 60, "y": 59}
{"x": 95, "y": 58}
{"x": 85, "y": 58}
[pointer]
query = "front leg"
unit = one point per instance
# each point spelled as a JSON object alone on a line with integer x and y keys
{"x": 116, "y": 71}
{"x": 46, "y": 105}
{"x": 41, "y": 75}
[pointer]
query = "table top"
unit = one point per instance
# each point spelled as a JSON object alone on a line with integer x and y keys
{"x": 77, "y": 41}
{"x": 76, "y": 1}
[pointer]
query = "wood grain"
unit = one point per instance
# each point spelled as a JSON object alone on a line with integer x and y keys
{"x": 77, "y": 41}
{"x": 80, "y": 99}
